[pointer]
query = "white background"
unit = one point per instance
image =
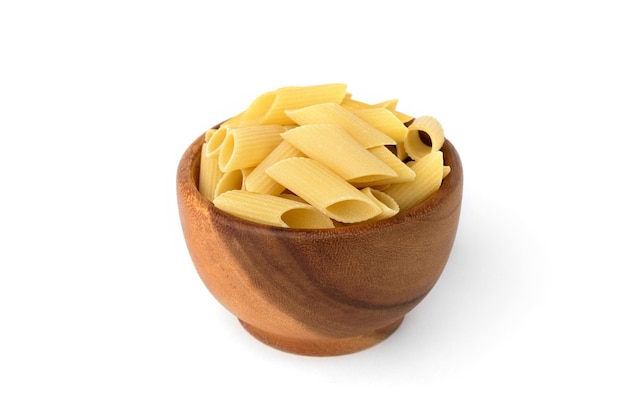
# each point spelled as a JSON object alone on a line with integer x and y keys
{"x": 101, "y": 311}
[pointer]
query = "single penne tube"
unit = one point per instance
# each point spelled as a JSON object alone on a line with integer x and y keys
{"x": 210, "y": 173}
{"x": 247, "y": 146}
{"x": 333, "y": 113}
{"x": 259, "y": 182}
{"x": 428, "y": 176}
{"x": 324, "y": 190}
{"x": 387, "y": 205}
{"x": 414, "y": 143}
{"x": 271, "y": 210}
{"x": 231, "y": 180}
{"x": 403, "y": 172}
{"x": 335, "y": 148}
{"x": 269, "y": 108}
{"x": 385, "y": 121}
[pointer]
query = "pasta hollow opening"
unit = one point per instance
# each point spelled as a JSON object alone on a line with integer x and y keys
{"x": 306, "y": 218}
{"x": 233, "y": 180}
{"x": 425, "y": 138}
{"x": 385, "y": 199}
{"x": 216, "y": 140}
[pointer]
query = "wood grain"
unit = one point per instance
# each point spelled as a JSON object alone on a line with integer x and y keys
{"x": 320, "y": 292}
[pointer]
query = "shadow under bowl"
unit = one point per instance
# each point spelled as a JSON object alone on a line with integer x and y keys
{"x": 319, "y": 292}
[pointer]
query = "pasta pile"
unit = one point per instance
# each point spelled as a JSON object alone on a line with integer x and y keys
{"x": 313, "y": 157}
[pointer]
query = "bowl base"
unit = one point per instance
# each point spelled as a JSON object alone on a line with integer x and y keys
{"x": 321, "y": 347}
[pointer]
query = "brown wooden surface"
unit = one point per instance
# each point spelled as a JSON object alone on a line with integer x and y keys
{"x": 319, "y": 292}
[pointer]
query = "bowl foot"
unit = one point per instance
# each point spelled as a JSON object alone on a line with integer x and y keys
{"x": 322, "y": 346}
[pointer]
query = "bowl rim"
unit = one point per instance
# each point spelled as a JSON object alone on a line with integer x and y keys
{"x": 189, "y": 168}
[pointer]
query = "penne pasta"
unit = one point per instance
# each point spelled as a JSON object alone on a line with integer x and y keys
{"x": 342, "y": 160}
{"x": 208, "y": 134}
{"x": 391, "y": 106}
{"x": 247, "y": 146}
{"x": 387, "y": 205}
{"x": 269, "y": 108}
{"x": 403, "y": 172}
{"x": 333, "y": 113}
{"x": 271, "y": 210}
{"x": 333, "y": 147}
{"x": 324, "y": 190}
{"x": 415, "y": 146}
{"x": 401, "y": 151}
{"x": 232, "y": 180}
{"x": 291, "y": 196}
{"x": 385, "y": 121}
{"x": 259, "y": 182}
{"x": 351, "y": 104}
{"x": 233, "y": 122}
{"x": 428, "y": 177}
{"x": 210, "y": 173}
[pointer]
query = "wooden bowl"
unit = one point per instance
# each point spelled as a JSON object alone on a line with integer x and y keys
{"x": 319, "y": 292}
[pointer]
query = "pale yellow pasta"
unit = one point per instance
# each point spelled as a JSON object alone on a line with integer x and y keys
{"x": 208, "y": 134}
{"x": 292, "y": 196}
{"x": 385, "y": 121}
{"x": 403, "y": 172}
{"x": 387, "y": 205}
{"x": 351, "y": 104}
{"x": 259, "y": 182}
{"x": 233, "y": 122}
{"x": 269, "y": 108}
{"x": 214, "y": 142}
{"x": 381, "y": 187}
{"x": 210, "y": 173}
{"x": 414, "y": 145}
{"x": 333, "y": 113}
{"x": 247, "y": 146}
{"x": 336, "y": 149}
{"x": 428, "y": 176}
{"x": 271, "y": 210}
{"x": 401, "y": 151}
{"x": 231, "y": 180}
{"x": 324, "y": 190}
{"x": 391, "y": 106}
{"x": 314, "y": 157}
